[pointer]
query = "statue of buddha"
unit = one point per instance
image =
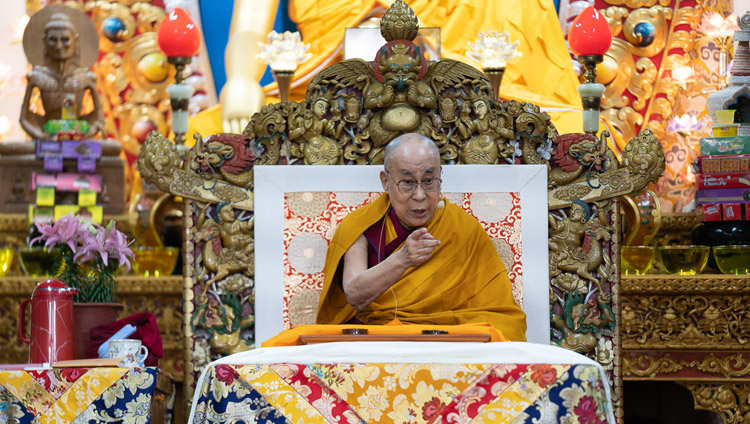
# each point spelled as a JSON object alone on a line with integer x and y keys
{"x": 61, "y": 43}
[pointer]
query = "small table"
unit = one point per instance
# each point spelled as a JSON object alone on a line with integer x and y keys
{"x": 103, "y": 394}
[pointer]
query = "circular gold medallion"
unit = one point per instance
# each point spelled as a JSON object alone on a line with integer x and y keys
{"x": 401, "y": 118}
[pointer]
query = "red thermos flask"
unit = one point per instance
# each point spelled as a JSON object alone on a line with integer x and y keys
{"x": 51, "y": 322}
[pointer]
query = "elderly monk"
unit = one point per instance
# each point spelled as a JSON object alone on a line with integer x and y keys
{"x": 416, "y": 255}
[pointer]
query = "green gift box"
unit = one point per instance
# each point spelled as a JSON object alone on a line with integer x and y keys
{"x": 725, "y": 145}
{"x": 54, "y": 126}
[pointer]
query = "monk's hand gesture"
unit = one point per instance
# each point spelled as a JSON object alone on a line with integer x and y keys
{"x": 418, "y": 248}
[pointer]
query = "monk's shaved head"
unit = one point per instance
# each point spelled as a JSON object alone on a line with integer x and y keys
{"x": 393, "y": 148}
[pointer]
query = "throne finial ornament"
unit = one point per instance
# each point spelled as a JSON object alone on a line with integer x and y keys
{"x": 399, "y": 22}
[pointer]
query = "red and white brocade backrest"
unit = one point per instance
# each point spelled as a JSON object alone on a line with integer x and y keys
{"x": 311, "y": 218}
{"x": 297, "y": 210}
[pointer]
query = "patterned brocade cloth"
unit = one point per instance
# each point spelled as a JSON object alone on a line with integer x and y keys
{"x": 78, "y": 395}
{"x": 402, "y": 382}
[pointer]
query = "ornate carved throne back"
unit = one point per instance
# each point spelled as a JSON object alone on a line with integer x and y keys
{"x": 352, "y": 110}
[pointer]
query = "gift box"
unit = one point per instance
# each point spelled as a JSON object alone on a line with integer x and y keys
{"x": 18, "y": 161}
{"x": 711, "y": 213}
{"x": 729, "y": 130}
{"x": 723, "y": 180}
{"x": 732, "y": 212}
{"x": 724, "y": 164}
{"x": 722, "y": 195}
{"x": 725, "y": 145}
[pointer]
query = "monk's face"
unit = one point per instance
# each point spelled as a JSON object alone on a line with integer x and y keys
{"x": 415, "y": 162}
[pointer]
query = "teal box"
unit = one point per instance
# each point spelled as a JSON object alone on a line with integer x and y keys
{"x": 725, "y": 145}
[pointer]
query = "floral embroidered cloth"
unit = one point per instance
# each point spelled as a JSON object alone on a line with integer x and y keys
{"x": 402, "y": 392}
{"x": 80, "y": 395}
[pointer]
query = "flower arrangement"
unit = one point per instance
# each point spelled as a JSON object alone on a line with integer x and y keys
{"x": 77, "y": 243}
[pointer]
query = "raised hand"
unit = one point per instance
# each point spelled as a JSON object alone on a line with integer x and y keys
{"x": 418, "y": 248}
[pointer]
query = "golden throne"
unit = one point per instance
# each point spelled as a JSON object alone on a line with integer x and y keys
{"x": 351, "y": 111}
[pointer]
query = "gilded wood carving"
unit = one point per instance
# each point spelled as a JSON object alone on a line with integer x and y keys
{"x": 679, "y": 365}
{"x": 672, "y": 326}
{"x": 730, "y": 400}
{"x": 658, "y": 313}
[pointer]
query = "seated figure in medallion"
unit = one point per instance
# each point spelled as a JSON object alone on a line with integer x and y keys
{"x": 61, "y": 55}
{"x": 416, "y": 254}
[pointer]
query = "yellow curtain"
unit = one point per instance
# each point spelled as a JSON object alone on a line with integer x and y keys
{"x": 543, "y": 75}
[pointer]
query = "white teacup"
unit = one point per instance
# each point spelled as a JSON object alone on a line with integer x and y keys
{"x": 132, "y": 351}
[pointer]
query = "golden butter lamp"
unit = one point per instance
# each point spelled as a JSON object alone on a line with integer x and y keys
{"x": 684, "y": 260}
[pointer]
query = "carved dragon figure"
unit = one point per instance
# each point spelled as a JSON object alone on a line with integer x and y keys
{"x": 227, "y": 154}
{"x": 157, "y": 160}
{"x": 574, "y": 154}
{"x": 583, "y": 319}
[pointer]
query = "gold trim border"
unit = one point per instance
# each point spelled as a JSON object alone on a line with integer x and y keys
{"x": 682, "y": 285}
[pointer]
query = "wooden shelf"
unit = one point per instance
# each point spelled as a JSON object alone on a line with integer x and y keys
{"x": 19, "y": 222}
{"x": 681, "y": 284}
{"x": 126, "y": 284}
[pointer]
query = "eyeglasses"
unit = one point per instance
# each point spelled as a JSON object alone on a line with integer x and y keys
{"x": 409, "y": 186}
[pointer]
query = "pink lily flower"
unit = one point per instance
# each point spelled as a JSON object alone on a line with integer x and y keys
{"x": 88, "y": 241}
{"x": 93, "y": 245}
{"x": 68, "y": 229}
{"x": 117, "y": 245}
{"x": 47, "y": 231}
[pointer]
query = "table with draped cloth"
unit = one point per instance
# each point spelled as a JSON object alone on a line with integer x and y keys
{"x": 85, "y": 395}
{"x": 404, "y": 382}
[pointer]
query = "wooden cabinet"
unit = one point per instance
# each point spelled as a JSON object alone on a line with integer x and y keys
{"x": 694, "y": 330}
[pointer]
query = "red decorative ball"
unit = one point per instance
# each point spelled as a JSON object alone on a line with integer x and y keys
{"x": 178, "y": 34}
{"x": 142, "y": 128}
{"x": 590, "y": 33}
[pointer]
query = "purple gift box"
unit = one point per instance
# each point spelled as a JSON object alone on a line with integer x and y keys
{"x": 73, "y": 149}
{"x": 44, "y": 147}
{"x": 53, "y": 162}
{"x": 87, "y": 164}
{"x": 70, "y": 149}
{"x": 722, "y": 195}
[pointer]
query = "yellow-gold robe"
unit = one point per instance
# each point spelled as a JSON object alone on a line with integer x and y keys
{"x": 463, "y": 282}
